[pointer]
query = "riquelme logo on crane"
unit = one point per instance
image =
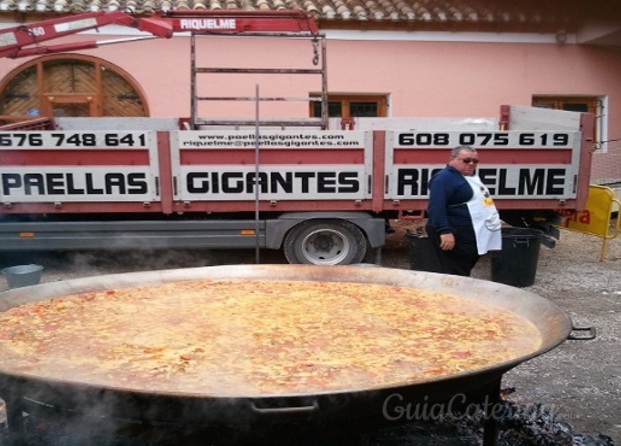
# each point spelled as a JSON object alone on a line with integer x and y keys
{"x": 207, "y": 24}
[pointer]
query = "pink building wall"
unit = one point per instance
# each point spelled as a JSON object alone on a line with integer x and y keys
{"x": 432, "y": 79}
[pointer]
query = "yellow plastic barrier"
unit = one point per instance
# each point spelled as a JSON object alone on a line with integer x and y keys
{"x": 597, "y": 216}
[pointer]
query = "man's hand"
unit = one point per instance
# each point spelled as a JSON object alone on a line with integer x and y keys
{"x": 447, "y": 242}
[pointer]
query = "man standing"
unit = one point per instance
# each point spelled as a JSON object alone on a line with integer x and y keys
{"x": 463, "y": 222}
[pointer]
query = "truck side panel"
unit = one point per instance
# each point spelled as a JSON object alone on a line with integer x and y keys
{"x": 51, "y": 168}
{"x": 295, "y": 166}
{"x": 534, "y": 169}
{"x": 216, "y": 171}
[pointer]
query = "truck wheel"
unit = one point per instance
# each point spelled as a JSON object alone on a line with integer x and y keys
{"x": 320, "y": 242}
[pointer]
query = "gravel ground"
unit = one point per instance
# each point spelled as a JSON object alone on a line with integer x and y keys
{"x": 580, "y": 381}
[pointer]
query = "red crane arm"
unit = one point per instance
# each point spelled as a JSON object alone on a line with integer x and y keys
{"x": 238, "y": 21}
{"x": 162, "y": 24}
{"x": 13, "y": 40}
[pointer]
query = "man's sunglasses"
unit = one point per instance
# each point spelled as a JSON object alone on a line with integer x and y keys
{"x": 469, "y": 160}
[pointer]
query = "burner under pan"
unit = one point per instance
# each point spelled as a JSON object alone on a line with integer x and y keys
{"x": 518, "y": 425}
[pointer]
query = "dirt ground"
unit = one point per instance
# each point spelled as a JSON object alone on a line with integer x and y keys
{"x": 579, "y": 380}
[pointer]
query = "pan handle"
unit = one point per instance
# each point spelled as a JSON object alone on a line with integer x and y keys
{"x": 286, "y": 410}
{"x": 590, "y": 334}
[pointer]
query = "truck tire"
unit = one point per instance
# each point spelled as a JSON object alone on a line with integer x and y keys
{"x": 325, "y": 242}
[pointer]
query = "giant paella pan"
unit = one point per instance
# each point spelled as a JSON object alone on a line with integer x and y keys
{"x": 263, "y": 348}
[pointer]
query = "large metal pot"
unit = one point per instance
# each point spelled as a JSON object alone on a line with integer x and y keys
{"x": 196, "y": 412}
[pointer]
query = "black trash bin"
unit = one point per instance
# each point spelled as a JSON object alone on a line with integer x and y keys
{"x": 516, "y": 263}
{"x": 422, "y": 255}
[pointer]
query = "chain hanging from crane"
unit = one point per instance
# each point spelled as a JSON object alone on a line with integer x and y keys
{"x": 316, "y": 51}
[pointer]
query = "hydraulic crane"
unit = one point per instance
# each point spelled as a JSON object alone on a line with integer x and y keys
{"x": 25, "y": 40}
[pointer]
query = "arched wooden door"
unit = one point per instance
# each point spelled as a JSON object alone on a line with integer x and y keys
{"x": 71, "y": 86}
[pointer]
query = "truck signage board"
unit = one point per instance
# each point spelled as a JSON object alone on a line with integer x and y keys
{"x": 77, "y": 166}
{"x": 292, "y": 165}
{"x": 514, "y": 164}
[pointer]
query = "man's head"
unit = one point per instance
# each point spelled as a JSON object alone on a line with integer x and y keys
{"x": 464, "y": 159}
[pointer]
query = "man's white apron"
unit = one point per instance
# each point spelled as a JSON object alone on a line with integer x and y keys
{"x": 485, "y": 219}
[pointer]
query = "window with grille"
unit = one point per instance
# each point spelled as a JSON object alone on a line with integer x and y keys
{"x": 583, "y": 104}
{"x": 352, "y": 106}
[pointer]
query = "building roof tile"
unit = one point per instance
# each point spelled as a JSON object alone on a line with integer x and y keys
{"x": 442, "y": 14}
